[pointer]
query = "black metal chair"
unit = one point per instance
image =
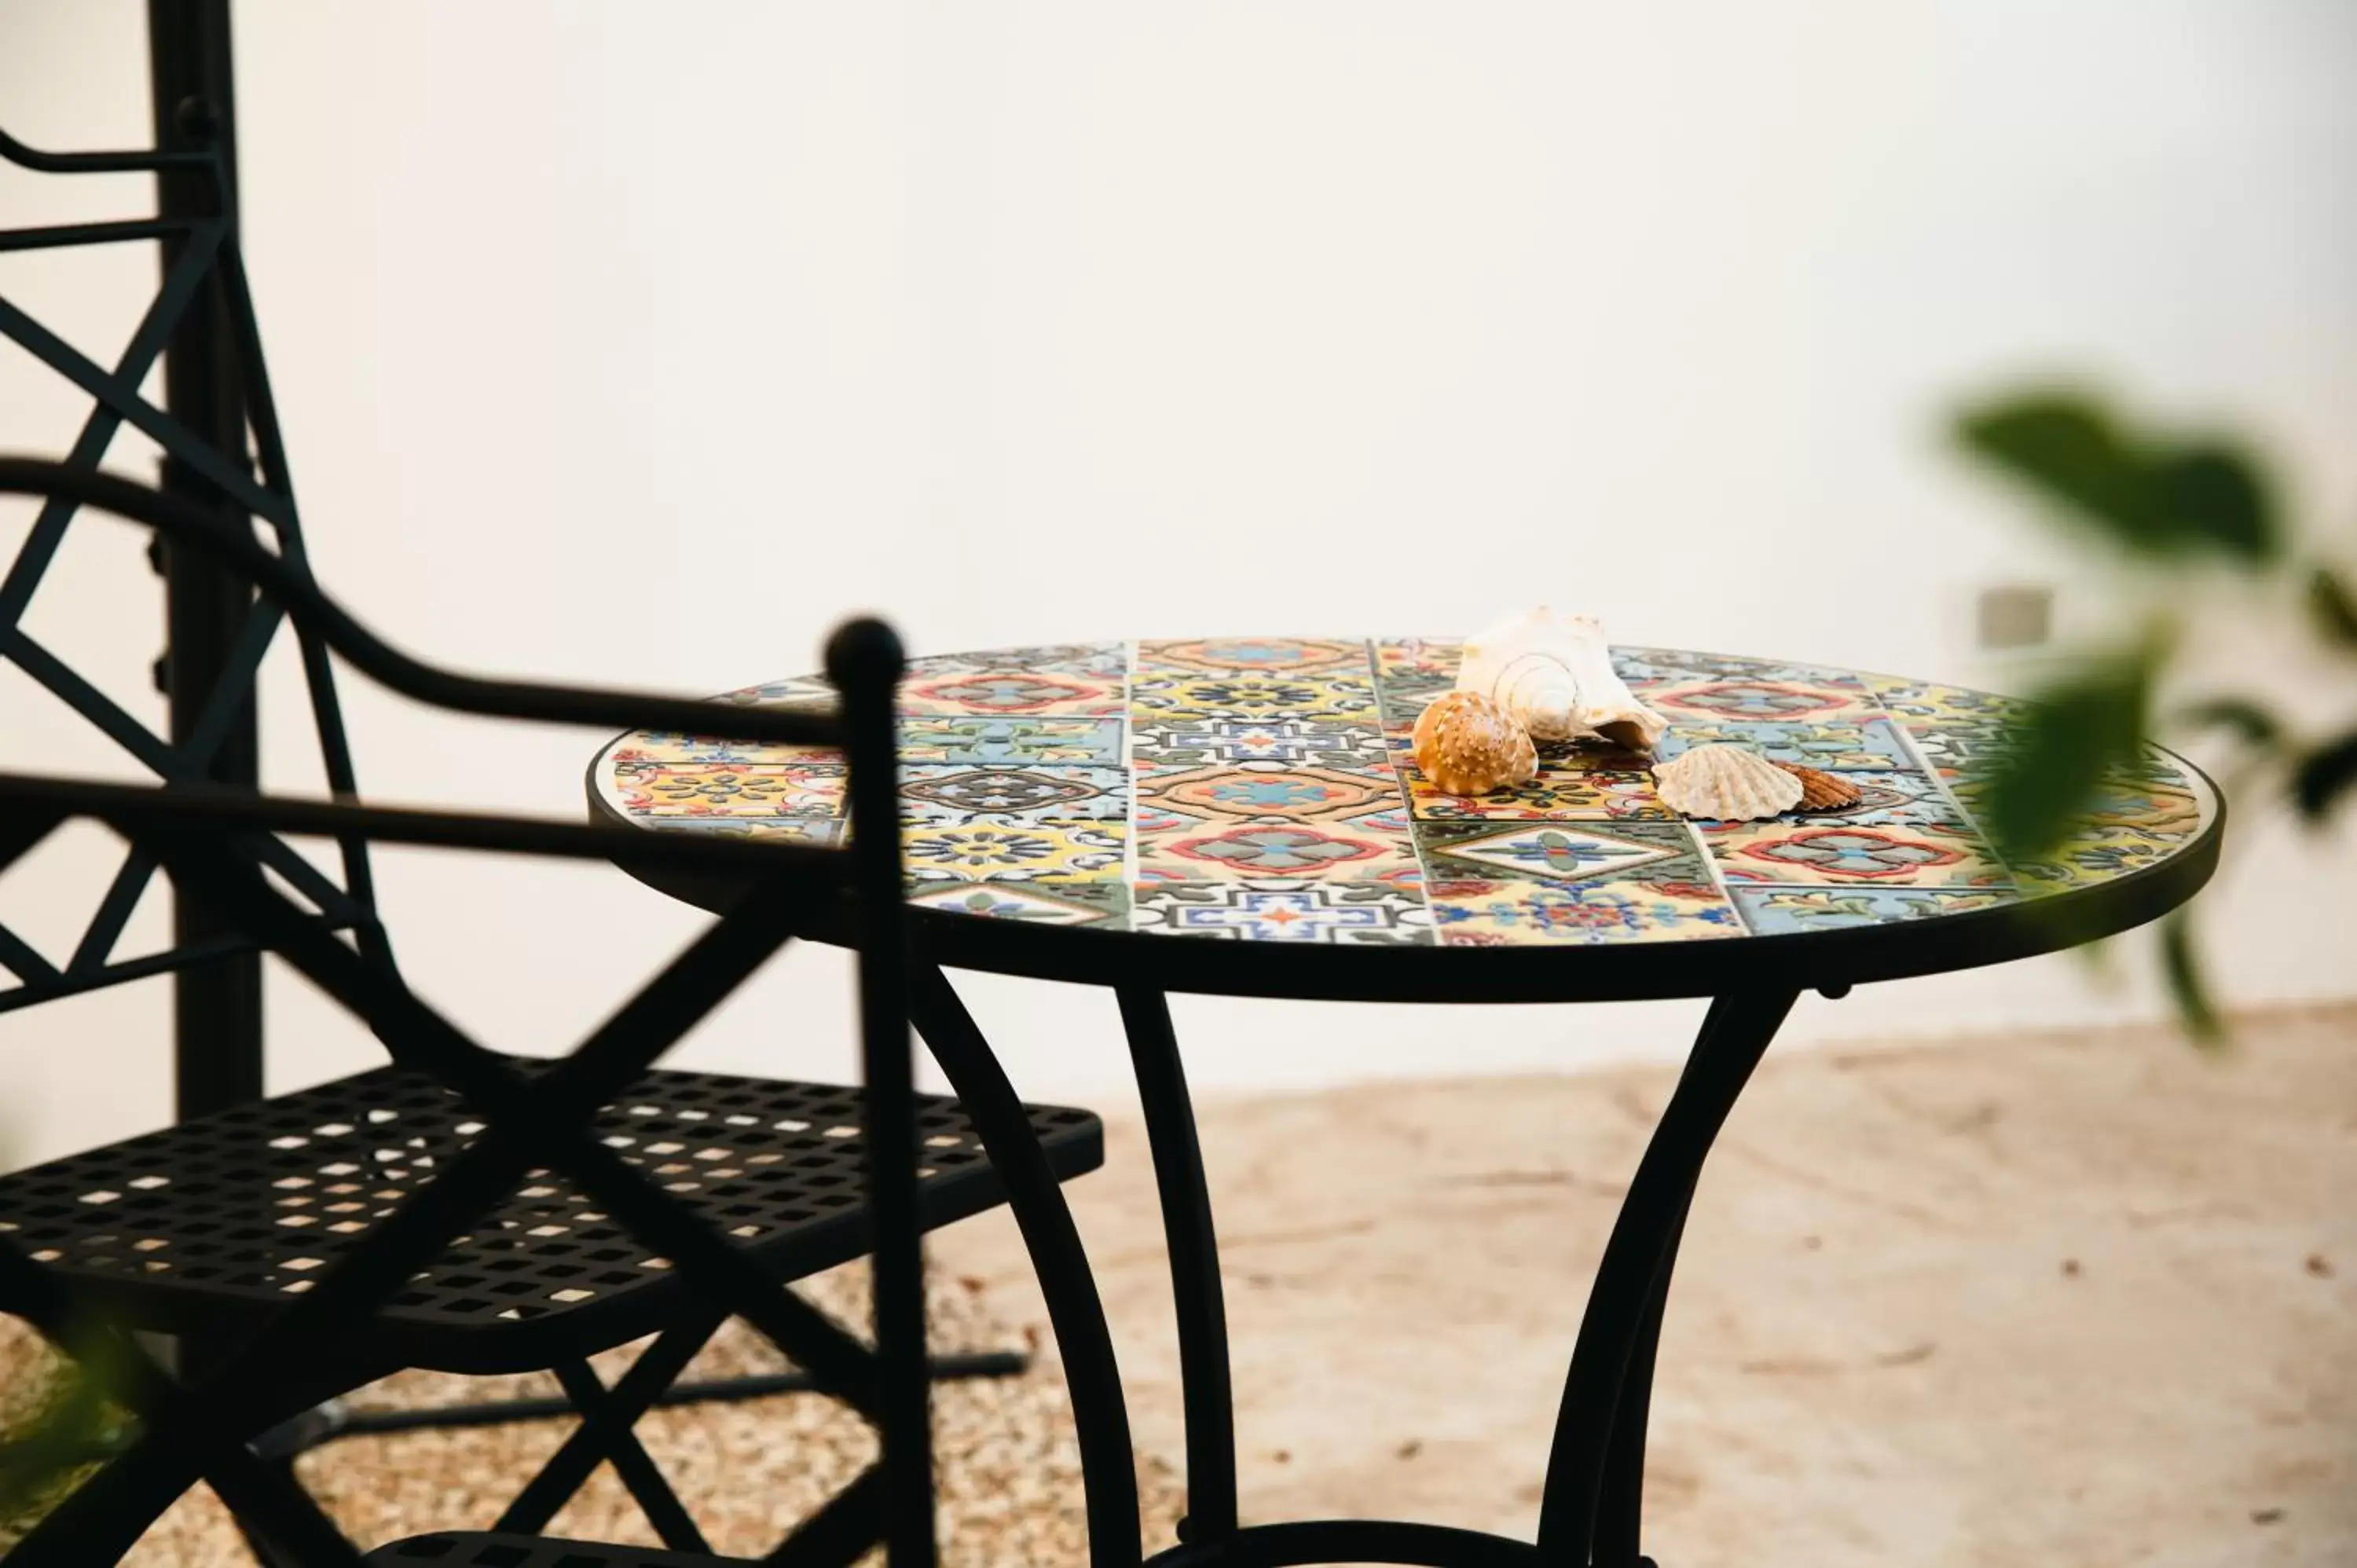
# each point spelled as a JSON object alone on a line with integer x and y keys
{"x": 469, "y": 1211}
{"x": 221, "y": 633}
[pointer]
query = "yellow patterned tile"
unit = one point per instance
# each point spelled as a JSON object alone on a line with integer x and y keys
{"x": 1886, "y": 853}
{"x": 1071, "y": 852}
{"x": 1419, "y": 659}
{"x": 1753, "y": 700}
{"x": 1270, "y": 656}
{"x": 1013, "y": 692}
{"x": 1514, "y": 914}
{"x": 660, "y": 791}
{"x": 2094, "y": 854}
{"x": 1320, "y": 698}
{"x": 1374, "y": 849}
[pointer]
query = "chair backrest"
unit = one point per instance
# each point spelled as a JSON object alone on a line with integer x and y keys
{"x": 537, "y": 1120}
{"x": 204, "y": 269}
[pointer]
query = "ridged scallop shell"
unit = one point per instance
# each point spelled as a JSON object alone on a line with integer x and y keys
{"x": 1822, "y": 791}
{"x": 1466, "y": 744}
{"x": 1554, "y": 674}
{"x": 1726, "y": 783}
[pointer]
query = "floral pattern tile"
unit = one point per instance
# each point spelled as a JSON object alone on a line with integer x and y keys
{"x": 1838, "y": 746}
{"x": 1883, "y": 854}
{"x": 1517, "y": 914}
{"x": 1027, "y": 854}
{"x": 1355, "y": 913}
{"x": 1010, "y": 794}
{"x": 1323, "y": 698}
{"x": 1781, "y": 911}
{"x": 657, "y": 789}
{"x": 1203, "y": 743}
{"x": 1261, "y": 789}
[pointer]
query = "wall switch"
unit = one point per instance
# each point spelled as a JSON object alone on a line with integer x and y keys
{"x": 2016, "y": 615}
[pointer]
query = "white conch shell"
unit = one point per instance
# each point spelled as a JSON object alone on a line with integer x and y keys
{"x": 1466, "y": 744}
{"x": 1726, "y": 783}
{"x": 1554, "y": 674}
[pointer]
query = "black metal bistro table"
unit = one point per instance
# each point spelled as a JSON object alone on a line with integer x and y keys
{"x": 1240, "y": 816}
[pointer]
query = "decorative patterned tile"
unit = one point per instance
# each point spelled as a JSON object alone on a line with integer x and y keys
{"x": 1835, "y": 747}
{"x": 1919, "y": 703}
{"x": 1559, "y": 853}
{"x": 1902, "y": 854}
{"x": 1328, "y": 698}
{"x": 670, "y": 746}
{"x": 1757, "y": 700}
{"x": 1013, "y": 690}
{"x": 978, "y": 738}
{"x": 953, "y": 794}
{"x": 1405, "y": 698}
{"x": 823, "y": 830}
{"x": 1650, "y": 667}
{"x": 1515, "y": 913}
{"x": 1419, "y": 658}
{"x": 1961, "y": 747}
{"x": 1265, "y": 793}
{"x": 1044, "y": 902}
{"x": 1390, "y": 914}
{"x": 1095, "y": 851}
{"x": 1086, "y": 660}
{"x": 1205, "y": 743}
{"x": 1365, "y": 850}
{"x": 1279, "y": 656}
{"x": 729, "y": 789}
{"x": 2094, "y": 854}
{"x": 1779, "y": 911}
{"x": 2155, "y": 767}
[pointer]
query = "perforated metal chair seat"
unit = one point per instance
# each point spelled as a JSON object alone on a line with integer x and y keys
{"x": 212, "y": 1225}
{"x": 468, "y": 1549}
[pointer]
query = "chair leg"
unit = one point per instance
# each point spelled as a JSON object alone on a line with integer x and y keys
{"x": 637, "y": 1389}
{"x": 604, "y": 1414}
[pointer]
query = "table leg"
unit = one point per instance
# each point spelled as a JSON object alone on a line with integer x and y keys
{"x": 1195, "y": 1287}
{"x": 1075, "y": 1311}
{"x": 1599, "y": 1427}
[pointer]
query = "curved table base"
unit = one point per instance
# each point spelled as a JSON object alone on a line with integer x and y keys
{"x": 1596, "y": 1468}
{"x": 1304, "y": 1542}
{"x": 1591, "y": 1506}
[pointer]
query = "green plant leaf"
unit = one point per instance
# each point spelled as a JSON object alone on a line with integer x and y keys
{"x": 2322, "y": 776}
{"x": 2208, "y": 496}
{"x": 2332, "y": 608}
{"x": 2252, "y": 724}
{"x": 2066, "y": 445}
{"x": 2074, "y": 731}
{"x": 2182, "y": 969}
{"x": 2167, "y": 500}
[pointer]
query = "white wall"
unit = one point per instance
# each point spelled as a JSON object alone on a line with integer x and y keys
{"x": 633, "y": 344}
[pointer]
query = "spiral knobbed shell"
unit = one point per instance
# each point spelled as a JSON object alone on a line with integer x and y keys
{"x": 1726, "y": 783}
{"x": 1468, "y": 744}
{"x": 1553, "y": 674}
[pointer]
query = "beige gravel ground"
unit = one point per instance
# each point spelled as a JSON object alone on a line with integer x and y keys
{"x": 2086, "y": 1299}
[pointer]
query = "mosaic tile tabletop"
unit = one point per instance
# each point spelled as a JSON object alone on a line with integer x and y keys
{"x": 1261, "y": 789}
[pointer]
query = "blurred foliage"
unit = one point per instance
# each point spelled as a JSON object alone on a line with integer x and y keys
{"x": 2185, "y": 509}
{"x": 51, "y": 1438}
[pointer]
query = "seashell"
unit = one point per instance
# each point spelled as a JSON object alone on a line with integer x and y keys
{"x": 1553, "y": 673}
{"x": 1726, "y": 783}
{"x": 1820, "y": 791}
{"x": 1466, "y": 744}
